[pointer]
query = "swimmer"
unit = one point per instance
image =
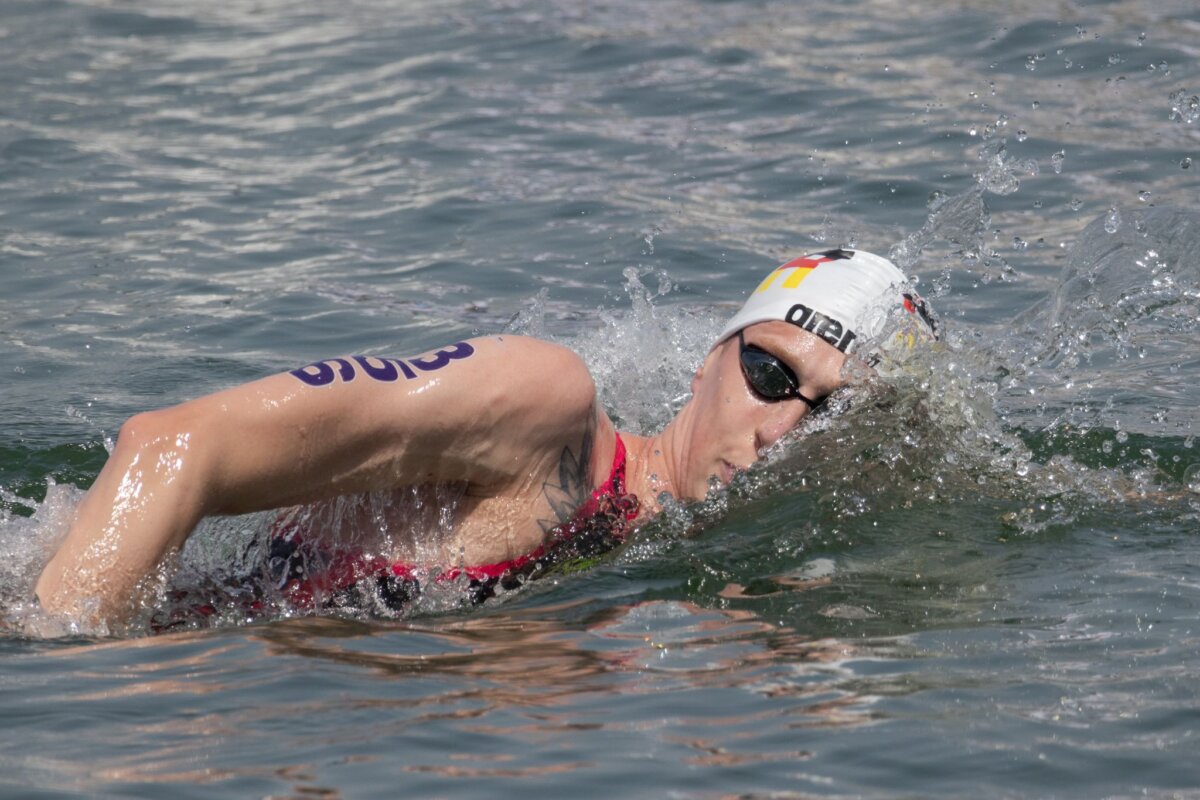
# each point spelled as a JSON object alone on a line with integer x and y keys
{"x": 512, "y": 422}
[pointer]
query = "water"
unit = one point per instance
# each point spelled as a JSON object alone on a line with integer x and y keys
{"x": 981, "y": 579}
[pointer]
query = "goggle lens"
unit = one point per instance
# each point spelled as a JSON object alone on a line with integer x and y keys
{"x": 769, "y": 377}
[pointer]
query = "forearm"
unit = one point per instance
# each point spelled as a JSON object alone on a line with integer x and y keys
{"x": 143, "y": 505}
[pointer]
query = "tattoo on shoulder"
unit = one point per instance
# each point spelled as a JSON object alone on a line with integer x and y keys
{"x": 387, "y": 370}
{"x": 570, "y": 486}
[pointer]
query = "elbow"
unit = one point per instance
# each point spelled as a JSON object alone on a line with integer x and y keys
{"x": 148, "y": 429}
{"x": 160, "y": 431}
{"x": 169, "y": 448}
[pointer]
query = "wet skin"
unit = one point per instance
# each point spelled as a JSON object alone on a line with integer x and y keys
{"x": 725, "y": 425}
{"x": 514, "y": 421}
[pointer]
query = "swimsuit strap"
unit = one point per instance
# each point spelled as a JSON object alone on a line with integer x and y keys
{"x": 613, "y": 487}
{"x": 608, "y": 503}
{"x": 609, "y": 497}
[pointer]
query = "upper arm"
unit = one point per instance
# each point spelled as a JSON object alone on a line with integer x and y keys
{"x": 486, "y": 412}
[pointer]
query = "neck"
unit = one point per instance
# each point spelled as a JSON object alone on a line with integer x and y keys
{"x": 654, "y": 464}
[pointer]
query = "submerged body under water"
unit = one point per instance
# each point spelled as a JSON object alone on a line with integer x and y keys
{"x": 981, "y": 576}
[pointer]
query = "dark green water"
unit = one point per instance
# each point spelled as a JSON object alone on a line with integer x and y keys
{"x": 985, "y": 586}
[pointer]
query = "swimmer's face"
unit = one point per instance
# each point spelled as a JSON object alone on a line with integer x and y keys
{"x": 732, "y": 422}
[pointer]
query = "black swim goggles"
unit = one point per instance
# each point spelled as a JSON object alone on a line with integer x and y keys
{"x": 768, "y": 377}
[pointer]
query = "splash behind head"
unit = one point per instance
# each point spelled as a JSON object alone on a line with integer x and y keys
{"x": 845, "y": 297}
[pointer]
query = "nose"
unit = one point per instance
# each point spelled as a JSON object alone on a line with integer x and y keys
{"x": 777, "y": 420}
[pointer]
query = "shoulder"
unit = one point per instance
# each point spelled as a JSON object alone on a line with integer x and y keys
{"x": 528, "y": 349}
{"x": 538, "y": 401}
{"x": 535, "y": 371}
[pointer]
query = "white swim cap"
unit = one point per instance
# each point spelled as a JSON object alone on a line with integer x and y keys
{"x": 842, "y": 296}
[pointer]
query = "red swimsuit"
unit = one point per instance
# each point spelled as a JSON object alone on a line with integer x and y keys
{"x": 599, "y": 524}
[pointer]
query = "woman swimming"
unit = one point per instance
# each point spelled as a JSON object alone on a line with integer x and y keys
{"x": 512, "y": 422}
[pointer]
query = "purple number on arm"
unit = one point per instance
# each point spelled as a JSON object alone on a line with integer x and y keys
{"x": 386, "y": 373}
{"x": 324, "y": 373}
{"x": 442, "y": 357}
{"x": 386, "y": 370}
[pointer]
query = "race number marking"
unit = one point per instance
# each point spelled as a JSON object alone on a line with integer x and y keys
{"x": 386, "y": 370}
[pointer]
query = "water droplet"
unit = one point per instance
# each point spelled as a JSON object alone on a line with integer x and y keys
{"x": 1036, "y": 104}
{"x": 1080, "y": 31}
{"x": 1112, "y": 223}
{"x": 1141, "y": 39}
{"x": 1184, "y": 108}
{"x": 1107, "y": 447}
{"x": 1037, "y": 203}
{"x": 1144, "y": 196}
{"x": 1191, "y": 477}
{"x": 1186, "y": 163}
{"x": 1076, "y": 204}
{"x": 1022, "y": 135}
{"x": 1122, "y": 437}
{"x": 1115, "y": 58}
{"x": 1020, "y": 243}
{"x": 1056, "y": 161}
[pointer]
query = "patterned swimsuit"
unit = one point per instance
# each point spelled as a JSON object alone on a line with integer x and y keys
{"x": 309, "y": 576}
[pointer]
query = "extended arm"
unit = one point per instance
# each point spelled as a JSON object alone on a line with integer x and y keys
{"x": 479, "y": 412}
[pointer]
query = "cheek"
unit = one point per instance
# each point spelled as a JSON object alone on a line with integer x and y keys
{"x": 780, "y": 421}
{"x": 774, "y": 429}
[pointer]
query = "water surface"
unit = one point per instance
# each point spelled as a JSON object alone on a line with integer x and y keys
{"x": 989, "y": 588}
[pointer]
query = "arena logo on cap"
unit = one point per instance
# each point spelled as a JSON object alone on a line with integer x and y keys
{"x": 820, "y": 325}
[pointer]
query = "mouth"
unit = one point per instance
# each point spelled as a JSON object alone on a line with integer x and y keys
{"x": 728, "y": 471}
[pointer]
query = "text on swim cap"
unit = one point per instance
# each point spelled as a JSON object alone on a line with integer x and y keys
{"x": 825, "y": 327}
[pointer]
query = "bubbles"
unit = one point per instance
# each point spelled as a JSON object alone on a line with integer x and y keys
{"x": 1191, "y": 478}
{"x": 1184, "y": 108}
{"x": 25, "y": 546}
{"x": 1186, "y": 162}
{"x": 1130, "y": 290}
{"x": 642, "y": 359}
{"x": 1056, "y": 161}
